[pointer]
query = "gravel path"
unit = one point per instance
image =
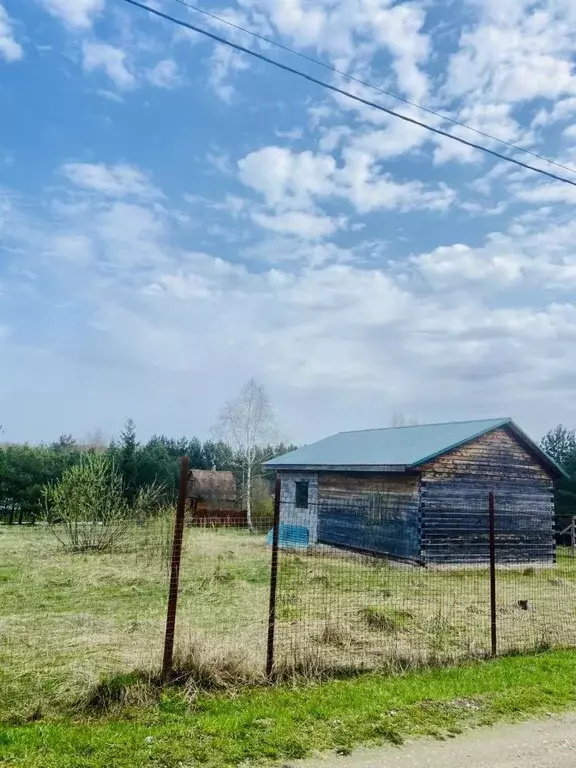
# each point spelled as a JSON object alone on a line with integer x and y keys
{"x": 547, "y": 744}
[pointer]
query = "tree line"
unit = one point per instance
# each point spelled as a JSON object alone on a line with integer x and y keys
{"x": 245, "y": 429}
{"x": 244, "y": 423}
{"x": 26, "y": 469}
{"x": 560, "y": 444}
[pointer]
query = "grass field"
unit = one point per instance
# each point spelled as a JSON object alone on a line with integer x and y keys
{"x": 67, "y": 620}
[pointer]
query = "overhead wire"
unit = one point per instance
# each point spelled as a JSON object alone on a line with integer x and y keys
{"x": 366, "y": 84}
{"x": 347, "y": 94}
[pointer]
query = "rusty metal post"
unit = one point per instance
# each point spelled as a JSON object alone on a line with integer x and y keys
{"x": 273, "y": 580}
{"x": 492, "y": 538}
{"x": 175, "y": 571}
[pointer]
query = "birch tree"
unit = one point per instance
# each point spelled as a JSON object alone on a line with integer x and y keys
{"x": 247, "y": 423}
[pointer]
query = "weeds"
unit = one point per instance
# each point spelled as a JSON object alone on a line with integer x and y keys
{"x": 385, "y": 619}
{"x": 337, "y": 634}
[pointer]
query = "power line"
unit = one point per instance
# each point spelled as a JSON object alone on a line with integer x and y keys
{"x": 349, "y": 95}
{"x": 365, "y": 83}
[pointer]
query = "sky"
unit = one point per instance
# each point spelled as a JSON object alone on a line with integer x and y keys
{"x": 177, "y": 217}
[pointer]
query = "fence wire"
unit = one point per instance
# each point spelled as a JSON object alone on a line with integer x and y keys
{"x": 352, "y": 593}
{"x": 70, "y": 619}
{"x": 346, "y": 600}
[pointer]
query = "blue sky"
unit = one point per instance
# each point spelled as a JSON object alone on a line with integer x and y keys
{"x": 176, "y": 217}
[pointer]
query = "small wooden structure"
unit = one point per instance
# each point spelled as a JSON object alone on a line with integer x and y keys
{"x": 571, "y": 529}
{"x": 421, "y": 493}
{"x": 213, "y": 499}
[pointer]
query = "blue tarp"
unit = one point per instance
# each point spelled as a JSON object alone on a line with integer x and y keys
{"x": 290, "y": 536}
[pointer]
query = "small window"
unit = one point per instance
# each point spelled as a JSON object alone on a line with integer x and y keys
{"x": 302, "y": 495}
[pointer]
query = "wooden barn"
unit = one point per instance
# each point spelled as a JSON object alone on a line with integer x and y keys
{"x": 213, "y": 499}
{"x": 421, "y": 493}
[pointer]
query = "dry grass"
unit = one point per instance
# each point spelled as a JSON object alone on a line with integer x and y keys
{"x": 69, "y": 620}
{"x": 422, "y": 616}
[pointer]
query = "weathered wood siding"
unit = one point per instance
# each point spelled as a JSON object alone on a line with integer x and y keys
{"x": 374, "y": 513}
{"x": 454, "y": 503}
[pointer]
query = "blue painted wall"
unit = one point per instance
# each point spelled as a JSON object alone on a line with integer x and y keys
{"x": 374, "y": 513}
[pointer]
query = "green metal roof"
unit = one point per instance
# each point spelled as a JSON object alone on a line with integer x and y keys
{"x": 397, "y": 448}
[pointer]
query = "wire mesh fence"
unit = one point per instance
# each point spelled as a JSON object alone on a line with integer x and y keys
{"x": 353, "y": 592}
{"x": 68, "y": 619}
{"x": 347, "y": 598}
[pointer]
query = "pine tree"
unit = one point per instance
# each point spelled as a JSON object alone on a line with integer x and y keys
{"x": 128, "y": 460}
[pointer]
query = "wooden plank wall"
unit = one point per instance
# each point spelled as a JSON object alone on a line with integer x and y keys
{"x": 370, "y": 512}
{"x": 454, "y": 503}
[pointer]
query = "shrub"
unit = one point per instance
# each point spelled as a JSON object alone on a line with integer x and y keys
{"x": 87, "y": 510}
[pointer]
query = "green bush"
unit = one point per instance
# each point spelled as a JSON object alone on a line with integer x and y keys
{"x": 87, "y": 509}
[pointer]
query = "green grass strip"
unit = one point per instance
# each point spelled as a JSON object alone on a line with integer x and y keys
{"x": 285, "y": 723}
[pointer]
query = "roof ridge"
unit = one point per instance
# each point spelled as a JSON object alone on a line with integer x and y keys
{"x": 502, "y": 419}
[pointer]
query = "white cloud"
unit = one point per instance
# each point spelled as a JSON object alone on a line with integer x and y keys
{"x": 448, "y": 150}
{"x": 112, "y": 181}
{"x": 491, "y": 118}
{"x": 548, "y": 192}
{"x": 165, "y": 75}
{"x": 460, "y": 264}
{"x": 541, "y": 257}
{"x": 517, "y": 55}
{"x": 109, "y": 95}
{"x": 564, "y": 109}
{"x": 294, "y": 134}
{"x": 224, "y": 63}
{"x": 110, "y": 59}
{"x": 10, "y": 50}
{"x": 355, "y": 31}
{"x": 394, "y": 139}
{"x": 367, "y": 189}
{"x": 345, "y": 342}
{"x": 295, "y": 180}
{"x": 400, "y": 28}
{"x": 74, "y": 247}
{"x": 307, "y": 225}
{"x": 285, "y": 178}
{"x": 220, "y": 161}
{"x": 76, "y": 14}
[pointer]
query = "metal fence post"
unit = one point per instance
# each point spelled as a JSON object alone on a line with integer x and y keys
{"x": 492, "y": 538}
{"x": 273, "y": 580}
{"x": 175, "y": 571}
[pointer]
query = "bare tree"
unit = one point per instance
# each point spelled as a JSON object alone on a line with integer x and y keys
{"x": 95, "y": 440}
{"x": 400, "y": 419}
{"x": 247, "y": 422}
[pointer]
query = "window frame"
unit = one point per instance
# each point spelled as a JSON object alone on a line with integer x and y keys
{"x": 298, "y": 488}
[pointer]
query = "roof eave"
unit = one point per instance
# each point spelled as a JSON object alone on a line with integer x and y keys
{"x": 337, "y": 467}
{"x": 556, "y": 469}
{"x": 459, "y": 443}
{"x": 560, "y": 473}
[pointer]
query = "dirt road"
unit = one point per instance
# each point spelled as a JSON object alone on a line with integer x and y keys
{"x": 547, "y": 744}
